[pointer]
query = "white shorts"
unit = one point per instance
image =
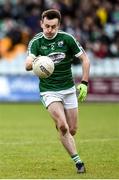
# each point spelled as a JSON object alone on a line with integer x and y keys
{"x": 67, "y": 97}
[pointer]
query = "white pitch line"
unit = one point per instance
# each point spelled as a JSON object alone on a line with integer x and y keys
{"x": 16, "y": 143}
{"x": 100, "y": 140}
{"x": 53, "y": 142}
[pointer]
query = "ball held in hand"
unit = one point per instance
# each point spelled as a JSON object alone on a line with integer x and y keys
{"x": 43, "y": 66}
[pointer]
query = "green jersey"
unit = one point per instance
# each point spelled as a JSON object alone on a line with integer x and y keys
{"x": 61, "y": 49}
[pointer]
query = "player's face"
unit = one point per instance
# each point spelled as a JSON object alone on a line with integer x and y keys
{"x": 50, "y": 27}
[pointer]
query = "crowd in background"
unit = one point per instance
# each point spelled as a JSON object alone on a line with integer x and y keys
{"x": 95, "y": 23}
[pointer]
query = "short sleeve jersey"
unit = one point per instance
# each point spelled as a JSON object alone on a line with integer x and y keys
{"x": 61, "y": 49}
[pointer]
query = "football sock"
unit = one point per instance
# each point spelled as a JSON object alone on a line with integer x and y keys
{"x": 76, "y": 158}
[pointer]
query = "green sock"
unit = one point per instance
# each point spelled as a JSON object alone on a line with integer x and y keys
{"x": 76, "y": 158}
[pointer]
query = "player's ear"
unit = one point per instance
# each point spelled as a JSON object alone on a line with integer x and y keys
{"x": 59, "y": 25}
{"x": 41, "y": 24}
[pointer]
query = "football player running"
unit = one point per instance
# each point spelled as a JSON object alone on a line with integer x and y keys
{"x": 58, "y": 92}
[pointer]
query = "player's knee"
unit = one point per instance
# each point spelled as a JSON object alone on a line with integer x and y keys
{"x": 73, "y": 131}
{"x": 63, "y": 128}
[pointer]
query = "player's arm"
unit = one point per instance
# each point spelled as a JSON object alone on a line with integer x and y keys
{"x": 85, "y": 66}
{"x": 78, "y": 51}
{"x": 83, "y": 86}
{"x": 32, "y": 53}
{"x": 29, "y": 62}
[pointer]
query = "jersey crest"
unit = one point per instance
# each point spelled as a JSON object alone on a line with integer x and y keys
{"x": 60, "y": 44}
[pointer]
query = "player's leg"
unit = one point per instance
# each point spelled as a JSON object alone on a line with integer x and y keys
{"x": 56, "y": 111}
{"x": 71, "y": 110}
{"x": 71, "y": 117}
{"x": 71, "y": 114}
{"x": 55, "y": 107}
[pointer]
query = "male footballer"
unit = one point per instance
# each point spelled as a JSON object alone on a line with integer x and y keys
{"x": 58, "y": 92}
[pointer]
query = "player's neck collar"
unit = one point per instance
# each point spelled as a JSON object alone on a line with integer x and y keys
{"x": 50, "y": 38}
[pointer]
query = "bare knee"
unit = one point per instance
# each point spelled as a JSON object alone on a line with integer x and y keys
{"x": 63, "y": 128}
{"x": 73, "y": 131}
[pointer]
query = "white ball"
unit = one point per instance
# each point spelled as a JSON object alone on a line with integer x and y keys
{"x": 43, "y": 66}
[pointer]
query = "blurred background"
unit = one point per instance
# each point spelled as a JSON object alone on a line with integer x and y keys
{"x": 94, "y": 23}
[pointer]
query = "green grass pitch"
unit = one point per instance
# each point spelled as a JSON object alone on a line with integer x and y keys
{"x": 30, "y": 146}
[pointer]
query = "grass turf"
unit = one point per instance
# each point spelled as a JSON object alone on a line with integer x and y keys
{"x": 30, "y": 148}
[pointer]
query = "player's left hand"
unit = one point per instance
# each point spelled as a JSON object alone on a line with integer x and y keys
{"x": 83, "y": 89}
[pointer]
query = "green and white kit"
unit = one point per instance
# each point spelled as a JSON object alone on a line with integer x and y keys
{"x": 61, "y": 49}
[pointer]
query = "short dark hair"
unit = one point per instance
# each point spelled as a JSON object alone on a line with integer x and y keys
{"x": 51, "y": 14}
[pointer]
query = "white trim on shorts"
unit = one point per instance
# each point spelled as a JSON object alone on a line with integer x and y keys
{"x": 67, "y": 97}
